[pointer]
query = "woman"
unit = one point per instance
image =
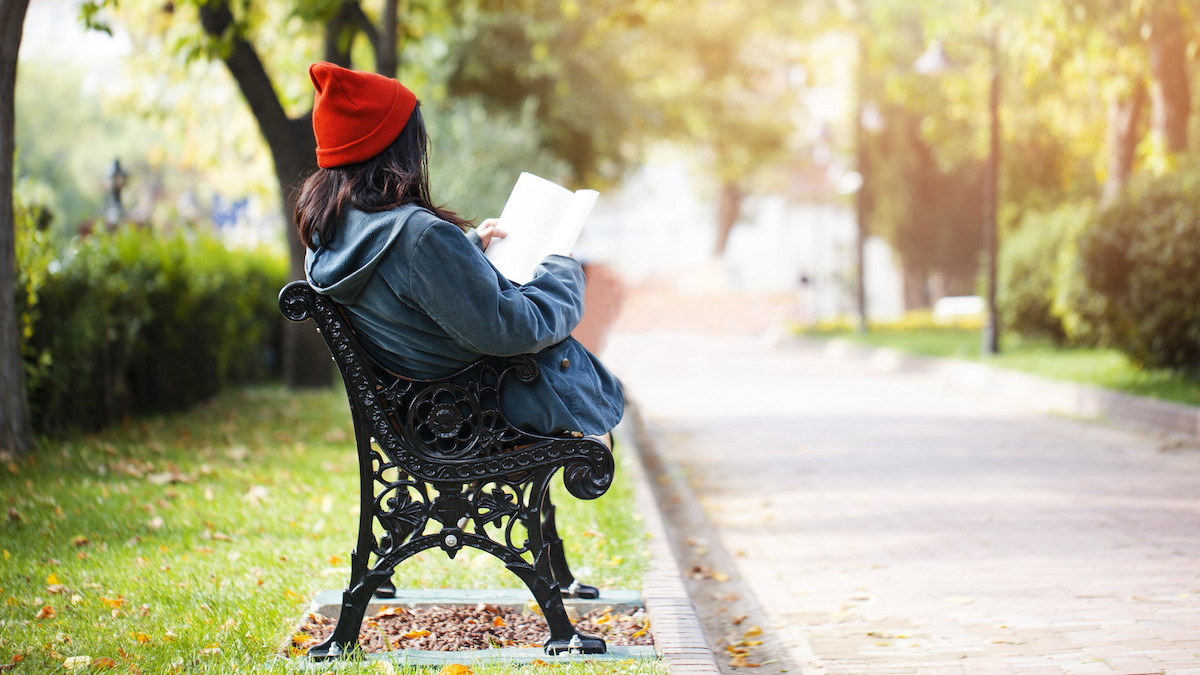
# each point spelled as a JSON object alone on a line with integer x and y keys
{"x": 422, "y": 298}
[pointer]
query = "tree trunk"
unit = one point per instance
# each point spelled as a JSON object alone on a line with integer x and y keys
{"x": 1124, "y": 134}
{"x": 294, "y": 150}
{"x": 727, "y": 213}
{"x": 387, "y": 57}
{"x": 14, "y": 411}
{"x": 1168, "y": 67}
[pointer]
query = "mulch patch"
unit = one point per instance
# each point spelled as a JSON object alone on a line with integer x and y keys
{"x": 463, "y": 627}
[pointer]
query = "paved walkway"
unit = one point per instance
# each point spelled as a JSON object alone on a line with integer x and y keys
{"x": 887, "y": 525}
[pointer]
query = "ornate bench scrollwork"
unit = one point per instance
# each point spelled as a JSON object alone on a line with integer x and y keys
{"x": 446, "y": 470}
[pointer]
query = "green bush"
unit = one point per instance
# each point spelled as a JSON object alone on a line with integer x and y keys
{"x": 1030, "y": 268}
{"x": 135, "y": 321}
{"x": 1140, "y": 260}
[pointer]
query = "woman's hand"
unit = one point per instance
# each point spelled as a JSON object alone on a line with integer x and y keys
{"x": 488, "y": 229}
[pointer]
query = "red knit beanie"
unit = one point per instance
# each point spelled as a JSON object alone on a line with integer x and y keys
{"x": 356, "y": 115}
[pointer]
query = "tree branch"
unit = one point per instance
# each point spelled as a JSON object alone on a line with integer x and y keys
{"x": 354, "y": 12}
{"x": 252, "y": 78}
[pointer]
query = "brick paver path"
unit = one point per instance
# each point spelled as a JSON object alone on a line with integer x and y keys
{"x": 888, "y": 525}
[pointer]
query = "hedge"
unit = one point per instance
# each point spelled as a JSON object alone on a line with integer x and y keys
{"x": 1141, "y": 258}
{"x": 1030, "y": 271}
{"x": 136, "y": 321}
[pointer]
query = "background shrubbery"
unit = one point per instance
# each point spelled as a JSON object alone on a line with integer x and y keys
{"x": 135, "y": 321}
{"x": 1125, "y": 276}
{"x": 1142, "y": 256}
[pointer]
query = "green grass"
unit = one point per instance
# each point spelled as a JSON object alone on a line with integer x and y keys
{"x": 1101, "y": 367}
{"x": 209, "y": 574}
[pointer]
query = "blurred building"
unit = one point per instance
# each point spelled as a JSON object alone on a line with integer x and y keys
{"x": 658, "y": 230}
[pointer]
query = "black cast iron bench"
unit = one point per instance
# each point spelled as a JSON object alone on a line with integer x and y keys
{"x": 446, "y": 470}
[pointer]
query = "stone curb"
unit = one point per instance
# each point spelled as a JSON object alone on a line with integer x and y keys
{"x": 1032, "y": 392}
{"x": 678, "y": 634}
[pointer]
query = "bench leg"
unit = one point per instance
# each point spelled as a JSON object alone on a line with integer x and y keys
{"x": 363, "y": 582}
{"x": 567, "y": 583}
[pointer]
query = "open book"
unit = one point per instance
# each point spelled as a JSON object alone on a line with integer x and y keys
{"x": 541, "y": 218}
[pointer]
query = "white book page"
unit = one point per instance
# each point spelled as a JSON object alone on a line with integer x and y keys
{"x": 530, "y": 218}
{"x": 572, "y": 222}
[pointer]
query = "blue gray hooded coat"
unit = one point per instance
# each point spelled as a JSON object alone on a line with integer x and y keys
{"x": 425, "y": 303}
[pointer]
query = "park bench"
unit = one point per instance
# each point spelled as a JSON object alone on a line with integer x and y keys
{"x": 440, "y": 467}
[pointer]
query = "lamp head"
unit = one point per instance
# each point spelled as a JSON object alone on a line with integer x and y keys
{"x": 116, "y": 176}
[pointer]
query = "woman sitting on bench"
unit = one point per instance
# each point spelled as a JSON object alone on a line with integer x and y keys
{"x": 422, "y": 298}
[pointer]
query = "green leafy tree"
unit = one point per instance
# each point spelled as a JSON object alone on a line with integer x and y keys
{"x": 559, "y": 61}
{"x": 717, "y": 72}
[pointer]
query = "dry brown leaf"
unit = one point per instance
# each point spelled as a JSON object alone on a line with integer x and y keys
{"x": 77, "y": 662}
{"x": 498, "y": 621}
{"x": 104, "y": 662}
{"x": 46, "y": 612}
{"x": 81, "y": 541}
{"x": 55, "y": 589}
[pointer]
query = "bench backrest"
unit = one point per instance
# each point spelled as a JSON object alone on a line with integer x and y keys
{"x": 448, "y": 430}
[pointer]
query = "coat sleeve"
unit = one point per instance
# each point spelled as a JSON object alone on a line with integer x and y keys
{"x": 458, "y": 288}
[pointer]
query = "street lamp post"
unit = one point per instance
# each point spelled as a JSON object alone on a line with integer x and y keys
{"x": 116, "y": 182}
{"x": 932, "y": 62}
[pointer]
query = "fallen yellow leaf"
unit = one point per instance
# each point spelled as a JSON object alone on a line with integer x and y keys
{"x": 752, "y": 631}
{"x": 455, "y": 669}
{"x": 46, "y": 612}
{"x": 498, "y": 621}
{"x": 114, "y": 603}
{"x": 538, "y": 662}
{"x": 415, "y": 634}
{"x": 142, "y": 638}
{"x": 52, "y": 579}
{"x": 392, "y": 611}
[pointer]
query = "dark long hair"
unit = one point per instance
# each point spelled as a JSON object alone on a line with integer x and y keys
{"x": 397, "y": 176}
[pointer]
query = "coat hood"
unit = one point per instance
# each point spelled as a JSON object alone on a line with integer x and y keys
{"x": 341, "y": 267}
